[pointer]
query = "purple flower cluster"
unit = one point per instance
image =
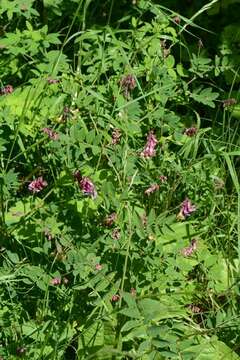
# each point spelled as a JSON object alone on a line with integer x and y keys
{"x": 58, "y": 281}
{"x": 116, "y": 234}
{"x": 189, "y": 250}
{"x": 187, "y": 208}
{"x": 177, "y": 20}
{"x": 163, "y": 178}
{"x": 52, "y": 81}
{"x": 48, "y": 234}
{"x": 55, "y": 281}
{"x": 128, "y": 83}
{"x": 116, "y": 136}
{"x": 229, "y": 102}
{"x": 110, "y": 219}
{"x": 37, "y": 185}
{"x": 8, "y": 89}
{"x": 50, "y": 133}
{"x": 149, "y": 149}
{"x": 151, "y": 189}
{"x": 98, "y": 267}
{"x": 86, "y": 185}
{"x": 192, "y": 131}
{"x": 195, "y": 309}
{"x": 115, "y": 298}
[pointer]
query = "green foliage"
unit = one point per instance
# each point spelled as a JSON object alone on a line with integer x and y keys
{"x": 111, "y": 116}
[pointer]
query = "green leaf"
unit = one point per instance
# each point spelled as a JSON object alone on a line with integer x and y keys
{"x": 212, "y": 349}
{"x": 157, "y": 310}
{"x": 205, "y": 96}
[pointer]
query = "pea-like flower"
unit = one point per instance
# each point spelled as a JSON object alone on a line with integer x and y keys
{"x": 189, "y": 250}
{"x": 98, "y": 267}
{"x": 149, "y": 149}
{"x": 55, "y": 281}
{"x": 151, "y": 189}
{"x": 37, "y": 185}
{"x": 192, "y": 131}
{"x": 53, "y": 135}
{"x": 116, "y": 136}
{"x": 8, "y": 89}
{"x": 52, "y": 81}
{"x": 163, "y": 178}
{"x": 86, "y": 185}
{"x": 115, "y": 298}
{"x": 128, "y": 83}
{"x": 110, "y": 219}
{"x": 187, "y": 208}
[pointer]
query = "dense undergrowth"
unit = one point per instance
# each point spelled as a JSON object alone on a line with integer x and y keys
{"x": 119, "y": 191}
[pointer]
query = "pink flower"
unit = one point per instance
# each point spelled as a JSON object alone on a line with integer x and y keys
{"x": 186, "y": 209}
{"x": 52, "y": 81}
{"x": 48, "y": 234}
{"x": 195, "y": 308}
{"x": 229, "y": 102}
{"x": 151, "y": 189}
{"x": 8, "y": 89}
{"x": 88, "y": 187}
{"x": 177, "y": 20}
{"x": 116, "y": 234}
{"x": 77, "y": 175}
{"x": 191, "y": 131}
{"x": 149, "y": 150}
{"x": 189, "y": 250}
{"x": 163, "y": 178}
{"x": 115, "y": 298}
{"x": 128, "y": 83}
{"x": 98, "y": 267}
{"x": 51, "y": 134}
{"x": 110, "y": 219}
{"x": 37, "y": 185}
{"x": 55, "y": 281}
{"x": 85, "y": 185}
{"x": 116, "y": 135}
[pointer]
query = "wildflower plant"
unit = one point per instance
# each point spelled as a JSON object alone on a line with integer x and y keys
{"x": 119, "y": 191}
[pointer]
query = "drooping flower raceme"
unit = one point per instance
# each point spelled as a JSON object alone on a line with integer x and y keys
{"x": 195, "y": 308}
{"x": 55, "y": 281}
{"x": 110, "y": 219}
{"x": 8, "y": 89}
{"x": 163, "y": 178}
{"x": 53, "y": 135}
{"x": 52, "y": 81}
{"x": 115, "y": 298}
{"x": 98, "y": 267}
{"x": 187, "y": 208}
{"x": 192, "y": 131}
{"x": 128, "y": 83}
{"x": 189, "y": 250}
{"x": 37, "y": 185}
{"x": 86, "y": 185}
{"x": 149, "y": 149}
{"x": 229, "y": 102}
{"x": 151, "y": 189}
{"x": 116, "y": 135}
